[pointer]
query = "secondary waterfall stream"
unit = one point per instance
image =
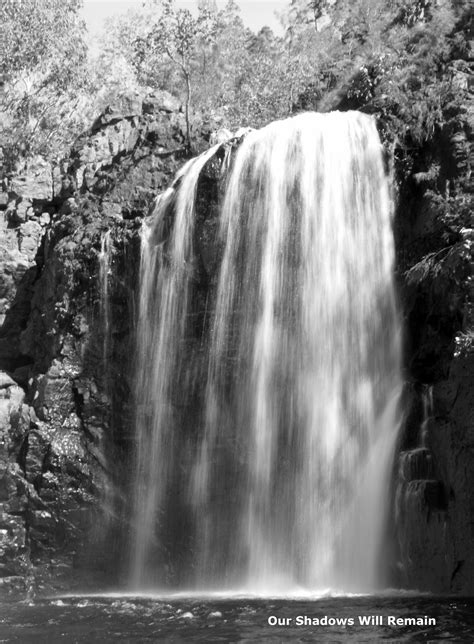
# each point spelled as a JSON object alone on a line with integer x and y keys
{"x": 105, "y": 257}
{"x": 265, "y": 445}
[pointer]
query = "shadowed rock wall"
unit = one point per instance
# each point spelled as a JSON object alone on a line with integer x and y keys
{"x": 434, "y": 501}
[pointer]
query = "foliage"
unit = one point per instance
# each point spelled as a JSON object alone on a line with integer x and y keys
{"x": 177, "y": 37}
{"x": 389, "y": 57}
{"x": 43, "y": 56}
{"x": 385, "y": 56}
{"x": 416, "y": 82}
{"x": 40, "y": 34}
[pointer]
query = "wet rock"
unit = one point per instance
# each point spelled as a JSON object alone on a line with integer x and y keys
{"x": 435, "y": 514}
{"x": 416, "y": 464}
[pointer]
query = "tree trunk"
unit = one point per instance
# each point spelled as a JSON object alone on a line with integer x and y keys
{"x": 186, "y": 110}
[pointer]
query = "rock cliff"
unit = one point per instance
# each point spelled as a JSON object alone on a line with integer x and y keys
{"x": 65, "y": 418}
{"x": 434, "y": 231}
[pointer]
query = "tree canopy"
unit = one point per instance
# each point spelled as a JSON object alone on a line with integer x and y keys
{"x": 386, "y": 53}
{"x": 43, "y": 54}
{"x": 40, "y": 35}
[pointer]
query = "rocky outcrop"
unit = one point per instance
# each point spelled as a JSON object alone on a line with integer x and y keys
{"x": 15, "y": 423}
{"x": 25, "y": 212}
{"x": 65, "y": 408}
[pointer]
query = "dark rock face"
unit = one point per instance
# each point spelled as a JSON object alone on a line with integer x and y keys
{"x": 65, "y": 407}
{"x": 434, "y": 502}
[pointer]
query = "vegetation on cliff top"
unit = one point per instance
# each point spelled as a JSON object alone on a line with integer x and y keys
{"x": 391, "y": 55}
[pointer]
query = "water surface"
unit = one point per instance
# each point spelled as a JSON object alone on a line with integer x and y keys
{"x": 236, "y": 619}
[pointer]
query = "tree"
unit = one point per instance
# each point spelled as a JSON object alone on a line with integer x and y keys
{"x": 309, "y": 12}
{"x": 43, "y": 55}
{"x": 179, "y": 36}
{"x": 39, "y": 34}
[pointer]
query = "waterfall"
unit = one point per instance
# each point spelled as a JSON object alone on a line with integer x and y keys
{"x": 427, "y": 398}
{"x": 105, "y": 257}
{"x": 275, "y": 474}
{"x": 165, "y": 275}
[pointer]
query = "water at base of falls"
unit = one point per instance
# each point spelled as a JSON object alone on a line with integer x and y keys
{"x": 86, "y": 619}
{"x": 264, "y": 449}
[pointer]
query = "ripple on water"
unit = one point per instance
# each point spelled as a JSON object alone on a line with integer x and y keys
{"x": 97, "y": 620}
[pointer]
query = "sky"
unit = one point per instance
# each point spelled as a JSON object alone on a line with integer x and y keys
{"x": 254, "y": 14}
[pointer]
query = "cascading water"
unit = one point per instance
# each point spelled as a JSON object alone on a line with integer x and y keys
{"x": 280, "y": 477}
{"x": 105, "y": 257}
{"x": 165, "y": 275}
